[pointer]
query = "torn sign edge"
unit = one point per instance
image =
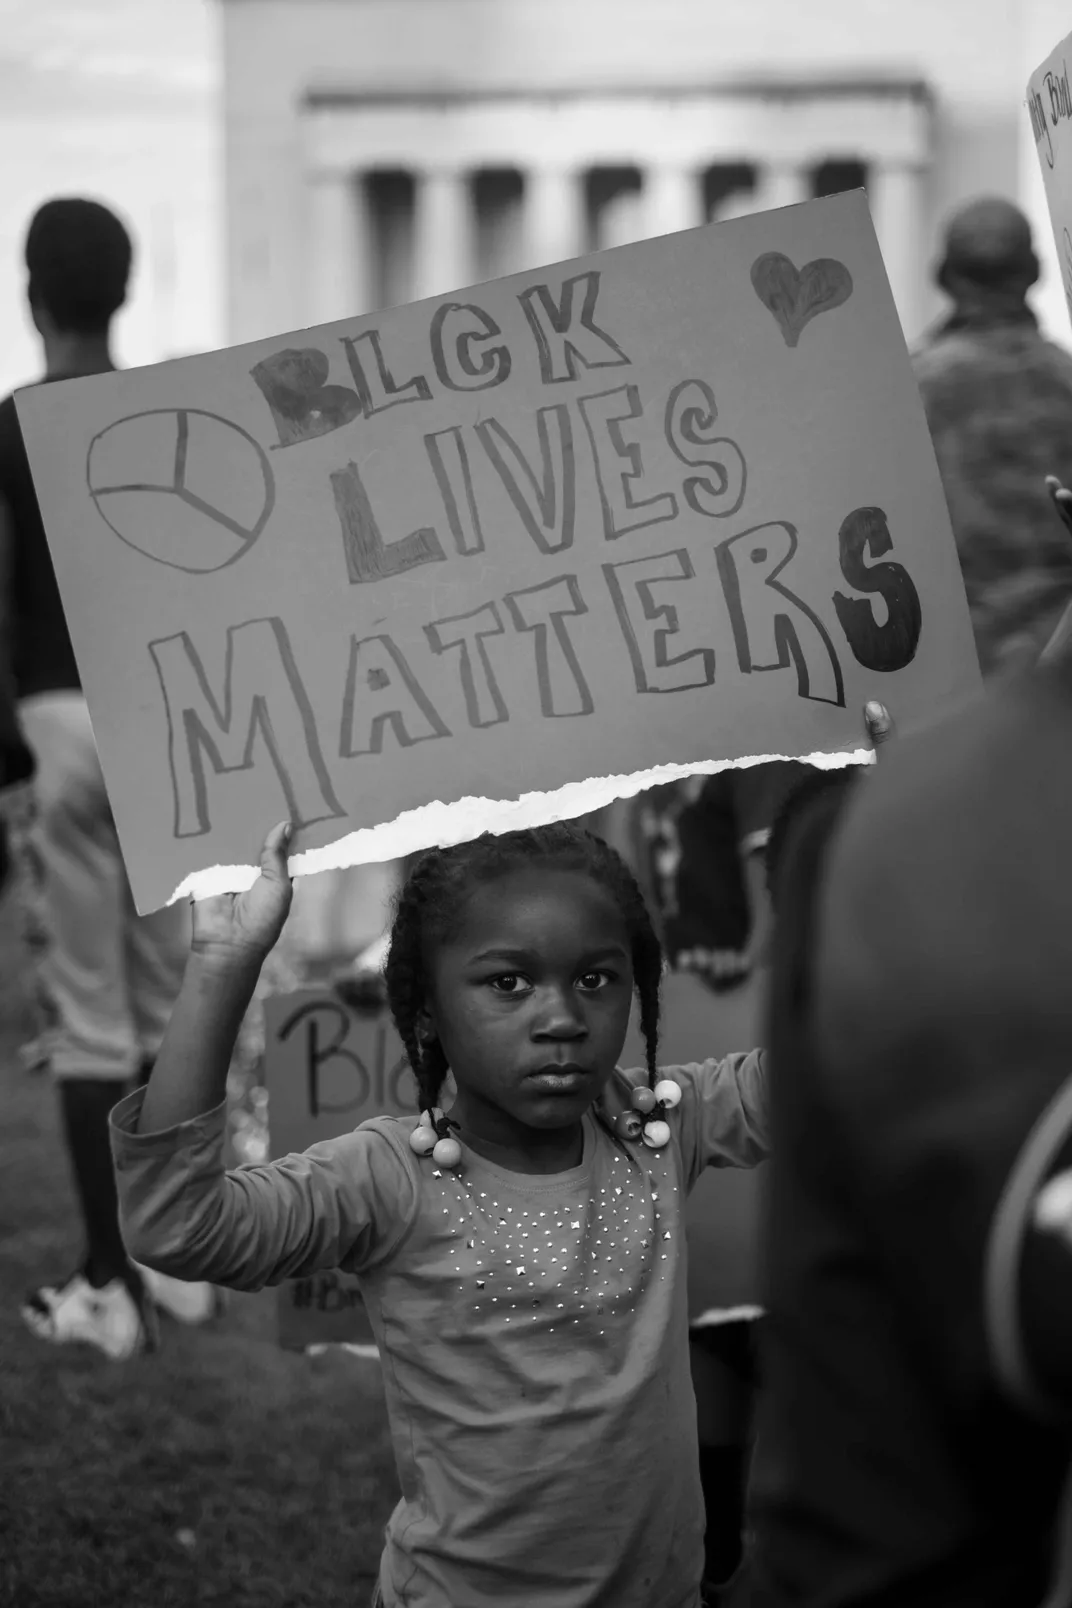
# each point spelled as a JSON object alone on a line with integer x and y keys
{"x": 438, "y": 825}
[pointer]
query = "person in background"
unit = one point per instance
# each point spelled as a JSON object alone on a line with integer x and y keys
{"x": 16, "y": 768}
{"x": 727, "y": 1356}
{"x": 704, "y": 839}
{"x": 998, "y": 399}
{"x": 113, "y": 976}
{"x": 915, "y": 1427}
{"x": 717, "y": 843}
{"x": 717, "y": 919}
{"x": 16, "y": 761}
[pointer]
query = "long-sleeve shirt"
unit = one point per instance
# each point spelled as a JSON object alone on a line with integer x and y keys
{"x": 532, "y": 1330}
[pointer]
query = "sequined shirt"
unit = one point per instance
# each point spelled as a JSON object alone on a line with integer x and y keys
{"x": 532, "y": 1330}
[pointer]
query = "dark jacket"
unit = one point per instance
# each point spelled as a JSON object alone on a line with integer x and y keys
{"x": 920, "y": 1028}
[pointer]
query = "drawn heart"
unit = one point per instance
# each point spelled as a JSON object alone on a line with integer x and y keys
{"x": 796, "y": 297}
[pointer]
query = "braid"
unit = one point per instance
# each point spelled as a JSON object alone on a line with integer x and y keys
{"x": 610, "y": 869}
{"x": 435, "y": 890}
{"x": 407, "y": 991}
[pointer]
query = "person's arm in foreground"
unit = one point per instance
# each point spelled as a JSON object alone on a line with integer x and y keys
{"x": 341, "y": 1203}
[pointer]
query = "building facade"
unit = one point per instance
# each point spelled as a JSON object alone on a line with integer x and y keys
{"x": 378, "y": 151}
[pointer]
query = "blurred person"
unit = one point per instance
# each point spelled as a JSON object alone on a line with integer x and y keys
{"x": 727, "y": 1356}
{"x": 717, "y": 929}
{"x": 705, "y": 839}
{"x": 710, "y": 847}
{"x": 113, "y": 976}
{"x": 19, "y": 869}
{"x": 915, "y": 1435}
{"x": 16, "y": 761}
{"x": 16, "y": 767}
{"x": 693, "y": 874}
{"x": 998, "y": 399}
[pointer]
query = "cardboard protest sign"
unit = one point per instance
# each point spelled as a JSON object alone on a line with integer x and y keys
{"x": 668, "y": 506}
{"x": 1049, "y": 105}
{"x": 328, "y": 1068}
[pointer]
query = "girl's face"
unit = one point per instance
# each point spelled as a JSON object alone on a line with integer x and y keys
{"x": 530, "y": 1001}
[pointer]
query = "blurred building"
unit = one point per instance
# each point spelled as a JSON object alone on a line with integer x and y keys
{"x": 382, "y": 150}
{"x": 116, "y": 99}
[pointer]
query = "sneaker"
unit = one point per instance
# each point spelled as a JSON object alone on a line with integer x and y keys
{"x": 107, "y": 1318}
{"x": 189, "y": 1303}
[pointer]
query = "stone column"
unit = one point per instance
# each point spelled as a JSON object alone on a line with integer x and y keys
{"x": 337, "y": 247}
{"x": 442, "y": 232}
{"x": 672, "y": 200}
{"x": 621, "y": 220}
{"x": 780, "y": 184}
{"x": 896, "y": 209}
{"x": 554, "y": 226}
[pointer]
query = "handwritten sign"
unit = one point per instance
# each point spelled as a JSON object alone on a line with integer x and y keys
{"x": 1049, "y": 105}
{"x": 536, "y": 544}
{"x": 329, "y": 1068}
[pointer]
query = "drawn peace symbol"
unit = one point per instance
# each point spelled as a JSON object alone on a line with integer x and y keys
{"x": 185, "y": 487}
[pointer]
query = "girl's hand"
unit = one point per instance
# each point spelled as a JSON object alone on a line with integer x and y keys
{"x": 1062, "y": 501}
{"x": 245, "y": 926}
{"x": 879, "y": 725}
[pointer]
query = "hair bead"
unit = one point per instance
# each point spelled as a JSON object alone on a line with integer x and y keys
{"x": 423, "y": 1140}
{"x": 447, "y": 1152}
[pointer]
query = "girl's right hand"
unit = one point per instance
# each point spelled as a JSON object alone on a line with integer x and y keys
{"x": 244, "y": 926}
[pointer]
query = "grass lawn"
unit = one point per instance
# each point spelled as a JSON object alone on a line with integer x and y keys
{"x": 219, "y": 1470}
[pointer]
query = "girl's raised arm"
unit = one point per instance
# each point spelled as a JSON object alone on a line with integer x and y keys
{"x": 341, "y": 1203}
{"x": 232, "y": 936}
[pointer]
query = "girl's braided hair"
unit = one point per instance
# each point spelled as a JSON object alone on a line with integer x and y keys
{"x": 435, "y": 890}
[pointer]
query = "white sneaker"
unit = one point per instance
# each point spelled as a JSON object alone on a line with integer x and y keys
{"x": 189, "y": 1303}
{"x": 107, "y": 1318}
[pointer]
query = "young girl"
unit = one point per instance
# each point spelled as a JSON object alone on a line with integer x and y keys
{"x": 522, "y": 1257}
